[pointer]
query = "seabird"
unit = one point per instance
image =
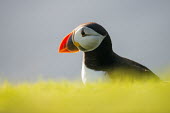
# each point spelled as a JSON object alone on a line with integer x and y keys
{"x": 100, "y": 62}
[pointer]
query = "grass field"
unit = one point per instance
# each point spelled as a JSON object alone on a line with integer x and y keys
{"x": 74, "y": 97}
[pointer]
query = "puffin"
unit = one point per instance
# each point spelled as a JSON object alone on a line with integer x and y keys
{"x": 100, "y": 62}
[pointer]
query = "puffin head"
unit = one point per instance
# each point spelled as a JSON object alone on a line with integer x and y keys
{"x": 86, "y": 37}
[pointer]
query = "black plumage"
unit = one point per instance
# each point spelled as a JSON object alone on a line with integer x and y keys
{"x": 104, "y": 59}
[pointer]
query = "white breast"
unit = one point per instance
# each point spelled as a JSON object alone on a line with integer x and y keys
{"x": 89, "y": 75}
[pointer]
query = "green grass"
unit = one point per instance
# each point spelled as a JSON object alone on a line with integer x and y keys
{"x": 67, "y": 97}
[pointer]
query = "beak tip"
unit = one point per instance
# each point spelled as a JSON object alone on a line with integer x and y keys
{"x": 67, "y": 46}
{"x": 63, "y": 50}
{"x": 59, "y": 51}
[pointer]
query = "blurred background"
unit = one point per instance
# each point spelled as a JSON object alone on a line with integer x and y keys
{"x": 31, "y": 31}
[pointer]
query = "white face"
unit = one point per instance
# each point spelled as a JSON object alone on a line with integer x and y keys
{"x": 87, "y": 38}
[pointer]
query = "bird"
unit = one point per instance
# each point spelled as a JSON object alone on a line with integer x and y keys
{"x": 100, "y": 62}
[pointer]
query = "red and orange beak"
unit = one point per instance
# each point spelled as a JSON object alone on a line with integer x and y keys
{"x": 67, "y": 45}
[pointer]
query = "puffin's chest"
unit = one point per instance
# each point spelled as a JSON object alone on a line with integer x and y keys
{"x": 90, "y": 75}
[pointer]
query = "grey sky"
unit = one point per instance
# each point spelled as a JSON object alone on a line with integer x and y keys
{"x": 31, "y": 30}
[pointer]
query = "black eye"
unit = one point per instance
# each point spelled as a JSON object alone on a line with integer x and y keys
{"x": 83, "y": 33}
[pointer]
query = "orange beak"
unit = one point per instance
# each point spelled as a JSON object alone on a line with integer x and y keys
{"x": 67, "y": 45}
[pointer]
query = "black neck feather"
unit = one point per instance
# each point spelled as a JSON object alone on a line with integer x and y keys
{"x": 101, "y": 57}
